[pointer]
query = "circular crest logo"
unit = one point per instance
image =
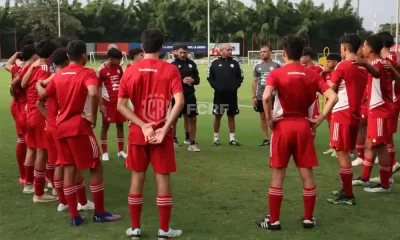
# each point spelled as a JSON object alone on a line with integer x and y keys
{"x": 112, "y": 46}
{"x": 232, "y": 65}
{"x": 155, "y": 108}
{"x": 190, "y": 65}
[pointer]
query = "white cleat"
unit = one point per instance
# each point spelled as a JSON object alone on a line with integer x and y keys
{"x": 28, "y": 189}
{"x": 351, "y": 155}
{"x": 378, "y": 189}
{"x": 329, "y": 151}
{"x": 376, "y": 160}
{"x": 187, "y": 142}
{"x": 61, "y": 207}
{"x": 54, "y": 192}
{"x": 170, "y": 234}
{"x": 194, "y": 148}
{"x": 396, "y": 167}
{"x": 359, "y": 182}
{"x": 378, "y": 180}
{"x": 133, "y": 234}
{"x": 89, "y": 206}
{"x": 334, "y": 154}
{"x": 122, "y": 154}
{"x": 45, "y": 198}
{"x": 357, "y": 162}
{"x": 49, "y": 185}
{"x": 105, "y": 157}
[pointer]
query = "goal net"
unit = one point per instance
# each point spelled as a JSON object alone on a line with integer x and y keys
{"x": 99, "y": 57}
{"x": 168, "y": 56}
{"x": 253, "y": 57}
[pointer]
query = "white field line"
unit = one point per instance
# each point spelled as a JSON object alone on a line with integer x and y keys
{"x": 245, "y": 106}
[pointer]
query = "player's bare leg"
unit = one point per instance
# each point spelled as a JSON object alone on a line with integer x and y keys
{"x": 186, "y": 124}
{"x": 29, "y": 166}
{"x": 264, "y": 127}
{"x": 232, "y": 130}
{"x": 83, "y": 203}
{"x": 193, "y": 147}
{"x": 121, "y": 140}
{"x": 59, "y": 186}
{"x": 309, "y": 196}
{"x": 135, "y": 202}
{"x": 392, "y": 154}
{"x": 39, "y": 178}
{"x": 103, "y": 136}
{"x": 20, "y": 151}
{"x": 360, "y": 144}
{"x": 217, "y": 125}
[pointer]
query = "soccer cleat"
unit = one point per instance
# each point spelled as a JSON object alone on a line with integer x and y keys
{"x": 170, "y": 234}
{"x": 360, "y": 182}
{"x": 265, "y": 224}
{"x": 176, "y": 142}
{"x": 378, "y": 180}
{"x": 194, "y": 148}
{"x": 329, "y": 151}
{"x": 187, "y": 141}
{"x": 376, "y": 160}
{"x": 77, "y": 221}
{"x": 357, "y": 162}
{"x": 133, "y": 234}
{"x": 28, "y": 189}
{"x": 309, "y": 224}
{"x": 45, "y": 198}
{"x": 334, "y": 154}
{"x": 105, "y": 157}
{"x": 234, "y": 143}
{"x": 396, "y": 167}
{"x": 216, "y": 143}
{"x": 105, "y": 217}
{"x": 265, "y": 142}
{"x": 89, "y": 206}
{"x": 122, "y": 154}
{"x": 61, "y": 207}
{"x": 21, "y": 181}
{"x": 342, "y": 199}
{"x": 49, "y": 184}
{"x": 54, "y": 192}
{"x": 377, "y": 189}
{"x": 338, "y": 193}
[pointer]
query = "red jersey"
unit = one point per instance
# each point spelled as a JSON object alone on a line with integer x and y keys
{"x": 379, "y": 96}
{"x": 41, "y": 72}
{"x": 150, "y": 85}
{"x": 128, "y": 65}
{"x": 20, "y": 93}
{"x": 52, "y": 109}
{"x": 316, "y": 68}
{"x": 110, "y": 80}
{"x": 70, "y": 87}
{"x": 392, "y": 58}
{"x": 327, "y": 76}
{"x": 296, "y": 87}
{"x": 351, "y": 81}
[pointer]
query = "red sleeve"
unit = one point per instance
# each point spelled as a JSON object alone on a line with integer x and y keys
{"x": 272, "y": 80}
{"x": 338, "y": 74}
{"x": 24, "y": 71}
{"x": 99, "y": 77}
{"x": 51, "y": 89}
{"x": 322, "y": 85}
{"x": 176, "y": 80}
{"x": 14, "y": 70}
{"x": 123, "y": 87}
{"x": 43, "y": 73}
{"x": 91, "y": 78}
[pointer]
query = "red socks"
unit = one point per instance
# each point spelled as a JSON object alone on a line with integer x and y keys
{"x": 98, "y": 197}
{"x": 20, "y": 151}
{"x": 385, "y": 174}
{"x": 275, "y": 197}
{"x": 309, "y": 197}
{"x": 367, "y": 168}
{"x": 29, "y": 175}
{"x": 135, "y": 203}
{"x": 39, "y": 181}
{"x": 58, "y": 185}
{"x": 164, "y": 204}
{"x": 70, "y": 196}
{"x": 360, "y": 147}
{"x": 81, "y": 192}
{"x": 121, "y": 144}
{"x": 392, "y": 153}
{"x": 50, "y": 173}
{"x": 104, "y": 145}
{"x": 346, "y": 174}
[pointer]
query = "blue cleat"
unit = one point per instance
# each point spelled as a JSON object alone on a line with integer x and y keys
{"x": 77, "y": 221}
{"x": 105, "y": 217}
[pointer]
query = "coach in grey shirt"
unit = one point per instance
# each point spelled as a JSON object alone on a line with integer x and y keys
{"x": 260, "y": 74}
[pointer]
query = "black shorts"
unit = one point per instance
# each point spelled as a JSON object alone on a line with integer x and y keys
{"x": 259, "y": 108}
{"x": 225, "y": 101}
{"x": 190, "y": 106}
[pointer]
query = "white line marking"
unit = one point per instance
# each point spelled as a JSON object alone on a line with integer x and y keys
{"x": 246, "y": 106}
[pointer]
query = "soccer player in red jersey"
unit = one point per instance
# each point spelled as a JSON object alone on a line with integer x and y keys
{"x": 150, "y": 84}
{"x": 290, "y": 121}
{"x": 332, "y": 61}
{"x": 73, "y": 86}
{"x": 380, "y": 111}
{"x": 109, "y": 74}
{"x": 349, "y": 80}
{"x": 136, "y": 55}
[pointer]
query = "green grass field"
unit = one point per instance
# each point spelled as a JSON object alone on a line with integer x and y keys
{"x": 218, "y": 193}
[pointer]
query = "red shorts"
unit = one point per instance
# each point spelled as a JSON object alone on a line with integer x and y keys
{"x": 161, "y": 156}
{"x": 343, "y": 137}
{"x": 316, "y": 109}
{"x": 378, "y": 131}
{"x": 111, "y": 115}
{"x": 364, "y": 112}
{"x": 19, "y": 116}
{"x": 52, "y": 142}
{"x": 393, "y": 122}
{"x": 36, "y": 137}
{"x": 81, "y": 151}
{"x": 290, "y": 142}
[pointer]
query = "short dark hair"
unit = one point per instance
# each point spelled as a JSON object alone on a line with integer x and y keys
{"x": 114, "y": 53}
{"x": 152, "y": 40}
{"x": 334, "y": 57}
{"x": 133, "y": 52}
{"x": 45, "y": 48}
{"x": 183, "y": 46}
{"x": 76, "y": 49}
{"x": 25, "y": 42}
{"x": 266, "y": 46}
{"x": 387, "y": 38}
{"x": 352, "y": 42}
{"x": 376, "y": 43}
{"x": 307, "y": 51}
{"x": 61, "y": 41}
{"x": 60, "y": 56}
{"x": 293, "y": 46}
{"x": 28, "y": 51}
{"x": 176, "y": 46}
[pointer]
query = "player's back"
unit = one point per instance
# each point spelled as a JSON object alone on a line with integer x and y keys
{"x": 41, "y": 72}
